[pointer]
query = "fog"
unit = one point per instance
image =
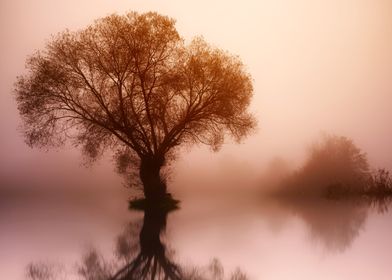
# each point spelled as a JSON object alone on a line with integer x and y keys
{"x": 317, "y": 66}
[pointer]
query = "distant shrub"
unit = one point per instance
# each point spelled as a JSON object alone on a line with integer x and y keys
{"x": 334, "y": 166}
{"x": 380, "y": 182}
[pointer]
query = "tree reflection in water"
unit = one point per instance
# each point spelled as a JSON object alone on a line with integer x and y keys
{"x": 335, "y": 223}
{"x": 145, "y": 257}
{"x": 152, "y": 261}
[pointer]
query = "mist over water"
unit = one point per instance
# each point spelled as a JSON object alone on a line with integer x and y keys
{"x": 318, "y": 68}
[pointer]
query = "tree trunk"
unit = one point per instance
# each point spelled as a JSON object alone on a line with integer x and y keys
{"x": 153, "y": 186}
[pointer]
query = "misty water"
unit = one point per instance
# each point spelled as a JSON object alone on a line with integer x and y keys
{"x": 74, "y": 221}
{"x": 316, "y": 67}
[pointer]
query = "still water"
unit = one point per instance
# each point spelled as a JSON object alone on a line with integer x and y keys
{"x": 213, "y": 235}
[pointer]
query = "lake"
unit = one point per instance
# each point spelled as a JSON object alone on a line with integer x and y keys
{"x": 214, "y": 234}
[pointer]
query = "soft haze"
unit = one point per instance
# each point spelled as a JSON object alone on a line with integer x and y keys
{"x": 318, "y": 67}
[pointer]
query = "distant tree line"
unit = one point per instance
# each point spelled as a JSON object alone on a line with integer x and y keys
{"x": 336, "y": 167}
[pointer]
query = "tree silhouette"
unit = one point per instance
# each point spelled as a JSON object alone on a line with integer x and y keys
{"x": 140, "y": 253}
{"x": 334, "y": 167}
{"x": 152, "y": 261}
{"x": 130, "y": 84}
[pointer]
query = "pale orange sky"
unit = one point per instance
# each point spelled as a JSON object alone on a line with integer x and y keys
{"x": 318, "y": 66}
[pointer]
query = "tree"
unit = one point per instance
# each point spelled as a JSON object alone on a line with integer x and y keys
{"x": 130, "y": 84}
{"x": 335, "y": 166}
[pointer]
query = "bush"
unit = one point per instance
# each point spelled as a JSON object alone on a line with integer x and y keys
{"x": 334, "y": 166}
{"x": 380, "y": 182}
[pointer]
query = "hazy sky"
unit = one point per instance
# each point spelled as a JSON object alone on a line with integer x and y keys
{"x": 318, "y": 67}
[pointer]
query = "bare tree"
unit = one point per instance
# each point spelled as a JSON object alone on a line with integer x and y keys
{"x": 130, "y": 84}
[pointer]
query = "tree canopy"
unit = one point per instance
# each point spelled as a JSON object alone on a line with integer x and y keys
{"x": 334, "y": 165}
{"x": 131, "y": 84}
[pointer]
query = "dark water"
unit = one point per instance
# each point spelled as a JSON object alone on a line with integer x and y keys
{"x": 214, "y": 235}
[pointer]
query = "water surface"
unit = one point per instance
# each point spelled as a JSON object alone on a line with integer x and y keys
{"x": 231, "y": 234}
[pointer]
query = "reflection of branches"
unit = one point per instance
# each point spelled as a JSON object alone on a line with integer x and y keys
{"x": 238, "y": 275}
{"x": 149, "y": 267}
{"x": 139, "y": 258}
{"x": 39, "y": 272}
{"x": 213, "y": 271}
{"x": 380, "y": 203}
{"x": 44, "y": 271}
{"x": 127, "y": 245}
{"x": 151, "y": 262}
{"x": 335, "y": 223}
{"x": 94, "y": 267}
